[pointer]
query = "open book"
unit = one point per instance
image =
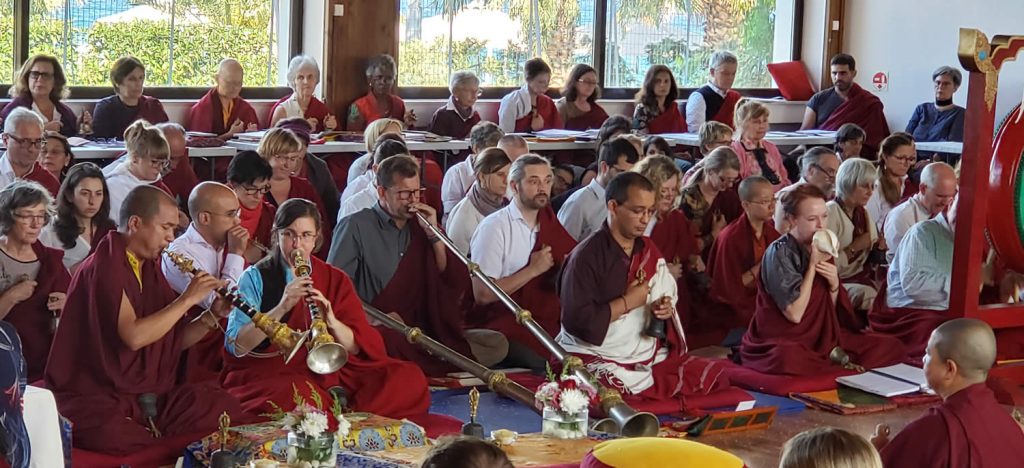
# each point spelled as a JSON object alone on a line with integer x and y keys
{"x": 900, "y": 379}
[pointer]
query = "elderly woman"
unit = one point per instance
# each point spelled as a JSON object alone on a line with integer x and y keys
{"x": 528, "y": 109}
{"x": 40, "y": 86}
{"x": 83, "y": 215}
{"x": 897, "y": 155}
{"x": 113, "y": 114}
{"x": 148, "y": 156}
{"x": 303, "y": 77}
{"x": 459, "y": 178}
{"x": 486, "y": 195}
{"x": 656, "y": 109}
{"x": 757, "y": 156}
{"x": 850, "y": 141}
{"x": 284, "y": 150}
{"x": 457, "y": 118}
{"x": 850, "y": 221}
{"x": 379, "y": 102}
{"x": 314, "y": 169}
{"x": 34, "y": 283}
{"x": 578, "y": 107}
{"x": 940, "y": 120}
{"x": 56, "y": 157}
{"x": 708, "y": 199}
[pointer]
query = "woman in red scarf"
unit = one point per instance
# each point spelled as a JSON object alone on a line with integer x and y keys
{"x": 379, "y": 102}
{"x": 285, "y": 151}
{"x": 249, "y": 176}
{"x": 656, "y": 109}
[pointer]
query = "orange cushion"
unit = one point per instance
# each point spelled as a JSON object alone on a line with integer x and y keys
{"x": 792, "y": 79}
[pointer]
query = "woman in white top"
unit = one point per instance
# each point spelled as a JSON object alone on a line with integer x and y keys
{"x": 303, "y": 77}
{"x": 485, "y": 196}
{"x": 83, "y": 215}
{"x": 895, "y": 158}
{"x": 148, "y": 155}
{"x": 850, "y": 221}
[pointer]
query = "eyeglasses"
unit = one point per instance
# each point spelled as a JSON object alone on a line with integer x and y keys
{"x": 831, "y": 174}
{"x": 290, "y": 159}
{"x": 160, "y": 163}
{"x": 36, "y": 75}
{"x": 908, "y": 159}
{"x": 290, "y": 235}
{"x": 589, "y": 82}
{"x": 765, "y": 203}
{"x": 252, "y": 191}
{"x": 30, "y": 218}
{"x": 29, "y": 143}
{"x": 231, "y": 214}
{"x": 383, "y": 78}
{"x": 405, "y": 195}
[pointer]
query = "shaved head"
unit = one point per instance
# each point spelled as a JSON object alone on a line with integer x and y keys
{"x": 230, "y": 78}
{"x": 970, "y": 343}
{"x": 229, "y": 65}
{"x": 207, "y": 196}
{"x": 748, "y": 189}
{"x": 145, "y": 202}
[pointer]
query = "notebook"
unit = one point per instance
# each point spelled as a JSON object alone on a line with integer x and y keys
{"x": 899, "y": 379}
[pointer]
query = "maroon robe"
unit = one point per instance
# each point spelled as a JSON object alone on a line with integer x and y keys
{"x": 97, "y": 378}
{"x": 774, "y": 345}
{"x": 911, "y": 326}
{"x": 373, "y": 381}
{"x": 546, "y": 109}
{"x": 726, "y": 202}
{"x": 301, "y": 188}
{"x": 968, "y": 430}
{"x": 591, "y": 119}
{"x": 47, "y": 180}
{"x": 539, "y": 295}
{"x": 427, "y": 298}
{"x": 181, "y": 180}
{"x": 726, "y": 112}
{"x": 864, "y": 109}
{"x": 669, "y": 121}
{"x": 207, "y": 115}
{"x": 732, "y": 254}
{"x": 673, "y": 238}
{"x": 316, "y": 110}
{"x": 31, "y": 318}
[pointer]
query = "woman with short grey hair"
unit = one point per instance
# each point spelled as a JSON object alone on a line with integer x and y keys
{"x": 849, "y": 220}
{"x": 303, "y": 77}
{"x": 940, "y": 120}
{"x": 458, "y": 116}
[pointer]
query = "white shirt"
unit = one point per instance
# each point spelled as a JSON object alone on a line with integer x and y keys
{"x": 366, "y": 198}
{"x": 514, "y": 106}
{"x": 357, "y": 185}
{"x": 878, "y": 207}
{"x": 456, "y": 183}
{"x": 503, "y": 242}
{"x": 6, "y": 171}
{"x": 842, "y": 225}
{"x": 920, "y": 273}
{"x": 292, "y": 108}
{"x": 697, "y": 108}
{"x": 360, "y": 166}
{"x": 119, "y": 182}
{"x": 72, "y": 256}
{"x": 204, "y": 258}
{"x": 462, "y": 223}
{"x": 584, "y": 211}
{"x": 900, "y": 219}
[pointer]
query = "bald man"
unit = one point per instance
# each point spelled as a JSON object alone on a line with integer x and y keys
{"x": 969, "y": 429}
{"x": 221, "y": 111}
{"x": 115, "y": 358}
{"x": 216, "y": 242}
{"x": 938, "y": 187}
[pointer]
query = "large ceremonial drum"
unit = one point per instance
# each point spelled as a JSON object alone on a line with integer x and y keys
{"x": 1005, "y": 211}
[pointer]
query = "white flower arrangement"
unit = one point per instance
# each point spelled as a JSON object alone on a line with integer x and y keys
{"x": 312, "y": 441}
{"x": 565, "y": 400}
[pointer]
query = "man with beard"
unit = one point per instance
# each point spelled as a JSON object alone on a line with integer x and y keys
{"x": 522, "y": 246}
{"x": 847, "y": 102}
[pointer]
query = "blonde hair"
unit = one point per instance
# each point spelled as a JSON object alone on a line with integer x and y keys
{"x": 718, "y": 160}
{"x": 658, "y": 169}
{"x": 713, "y": 131}
{"x": 748, "y": 110}
{"x": 829, "y": 447}
{"x": 144, "y": 141}
{"x": 375, "y": 129}
{"x": 278, "y": 141}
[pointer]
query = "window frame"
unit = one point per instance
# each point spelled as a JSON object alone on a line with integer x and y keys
{"x": 21, "y": 54}
{"x": 600, "y": 51}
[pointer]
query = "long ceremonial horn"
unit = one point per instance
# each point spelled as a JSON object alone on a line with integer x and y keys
{"x": 625, "y": 419}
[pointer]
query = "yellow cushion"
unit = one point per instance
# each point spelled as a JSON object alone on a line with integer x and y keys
{"x": 657, "y": 452}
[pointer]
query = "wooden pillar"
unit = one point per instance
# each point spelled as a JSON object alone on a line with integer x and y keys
{"x": 363, "y": 29}
{"x": 833, "y": 38}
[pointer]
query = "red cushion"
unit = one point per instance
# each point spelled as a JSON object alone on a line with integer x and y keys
{"x": 792, "y": 79}
{"x": 783, "y": 385}
{"x": 164, "y": 453}
{"x": 437, "y": 425}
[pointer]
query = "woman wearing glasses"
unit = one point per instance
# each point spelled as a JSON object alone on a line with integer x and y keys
{"x": 33, "y": 280}
{"x": 283, "y": 149}
{"x": 148, "y": 155}
{"x": 83, "y": 215}
{"x": 457, "y": 117}
{"x": 709, "y": 201}
{"x": 757, "y": 155}
{"x": 895, "y": 159}
{"x": 578, "y": 106}
{"x": 41, "y": 87}
{"x": 858, "y": 236}
{"x": 379, "y": 102}
{"x": 249, "y": 176}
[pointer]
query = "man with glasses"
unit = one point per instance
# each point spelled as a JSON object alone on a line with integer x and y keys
{"x": 716, "y": 100}
{"x": 379, "y": 102}
{"x": 937, "y": 189}
{"x": 23, "y": 138}
{"x": 818, "y": 167}
{"x": 249, "y": 177}
{"x": 585, "y": 211}
{"x": 399, "y": 266}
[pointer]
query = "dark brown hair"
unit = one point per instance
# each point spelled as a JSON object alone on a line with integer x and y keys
{"x": 535, "y": 67}
{"x": 646, "y": 94}
{"x": 66, "y": 225}
{"x": 59, "y": 91}
{"x": 575, "y": 75}
{"x": 293, "y": 209}
{"x": 490, "y": 160}
{"x": 401, "y": 165}
{"x": 891, "y": 191}
{"x": 466, "y": 452}
{"x": 843, "y": 59}
{"x": 123, "y": 67}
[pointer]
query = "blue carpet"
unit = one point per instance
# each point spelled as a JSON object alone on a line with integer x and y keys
{"x": 495, "y": 412}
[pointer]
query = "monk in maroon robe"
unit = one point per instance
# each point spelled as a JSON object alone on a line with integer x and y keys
{"x": 180, "y": 178}
{"x": 222, "y": 112}
{"x": 372, "y": 381}
{"x": 121, "y": 338}
{"x": 864, "y": 109}
{"x": 802, "y": 312}
{"x": 736, "y": 254}
{"x": 970, "y": 429}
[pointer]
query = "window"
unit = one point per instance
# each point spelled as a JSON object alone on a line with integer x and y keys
{"x": 180, "y": 42}
{"x": 493, "y": 38}
{"x": 6, "y": 41}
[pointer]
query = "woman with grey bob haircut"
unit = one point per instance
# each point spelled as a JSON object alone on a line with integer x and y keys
{"x": 849, "y": 219}
{"x": 303, "y": 77}
{"x": 940, "y": 120}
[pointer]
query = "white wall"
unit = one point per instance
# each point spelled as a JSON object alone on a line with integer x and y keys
{"x": 811, "y": 45}
{"x": 909, "y": 39}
